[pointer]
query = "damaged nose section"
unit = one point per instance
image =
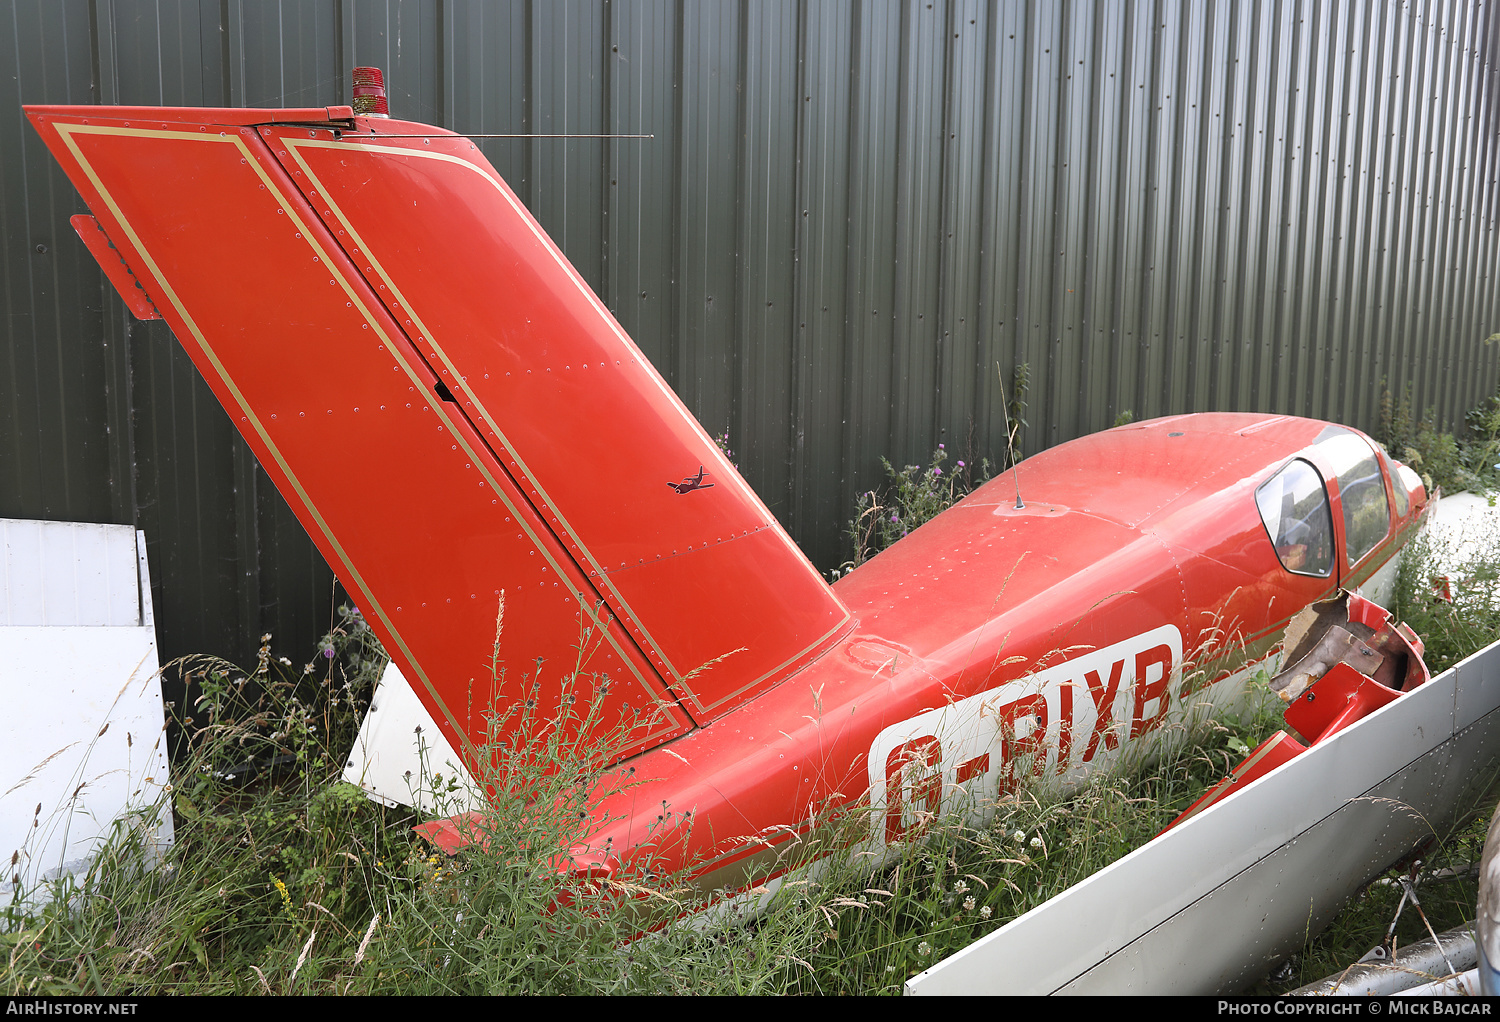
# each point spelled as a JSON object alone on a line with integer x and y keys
{"x": 1353, "y": 632}
{"x": 1338, "y": 646}
{"x": 1348, "y": 659}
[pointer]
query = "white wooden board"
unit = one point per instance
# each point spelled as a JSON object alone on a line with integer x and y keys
{"x": 82, "y": 738}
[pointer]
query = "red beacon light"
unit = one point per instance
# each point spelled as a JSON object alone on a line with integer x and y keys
{"x": 369, "y": 93}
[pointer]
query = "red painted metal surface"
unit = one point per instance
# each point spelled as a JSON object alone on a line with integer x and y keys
{"x": 1267, "y": 756}
{"x": 571, "y": 408}
{"x": 126, "y": 285}
{"x": 331, "y": 395}
{"x": 452, "y": 414}
{"x": 1031, "y": 637}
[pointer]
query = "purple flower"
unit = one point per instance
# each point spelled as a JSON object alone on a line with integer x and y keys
{"x": 328, "y": 653}
{"x": 895, "y": 517}
{"x": 940, "y": 447}
{"x": 960, "y": 464}
{"x": 937, "y": 471}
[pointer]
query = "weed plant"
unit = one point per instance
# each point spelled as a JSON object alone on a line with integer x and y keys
{"x": 1445, "y": 461}
{"x": 908, "y": 499}
{"x": 284, "y": 879}
{"x": 913, "y": 496}
{"x": 516, "y": 911}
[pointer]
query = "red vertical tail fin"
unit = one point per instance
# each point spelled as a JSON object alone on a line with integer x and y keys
{"x": 450, "y": 410}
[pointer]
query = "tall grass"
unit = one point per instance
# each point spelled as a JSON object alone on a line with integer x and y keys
{"x": 284, "y": 879}
{"x": 1454, "y": 463}
{"x": 1448, "y": 590}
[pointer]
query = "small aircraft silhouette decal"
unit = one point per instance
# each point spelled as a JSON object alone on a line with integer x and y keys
{"x": 691, "y": 483}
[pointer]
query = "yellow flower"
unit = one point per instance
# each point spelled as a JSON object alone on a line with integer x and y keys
{"x": 286, "y": 897}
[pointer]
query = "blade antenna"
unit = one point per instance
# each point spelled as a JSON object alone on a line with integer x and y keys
{"x": 1010, "y": 437}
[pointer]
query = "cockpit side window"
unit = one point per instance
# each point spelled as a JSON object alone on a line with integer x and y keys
{"x": 1409, "y": 482}
{"x": 1294, "y": 508}
{"x": 1399, "y": 488}
{"x": 1367, "y": 514}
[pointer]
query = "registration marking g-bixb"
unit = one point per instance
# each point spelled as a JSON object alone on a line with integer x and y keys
{"x": 1059, "y": 723}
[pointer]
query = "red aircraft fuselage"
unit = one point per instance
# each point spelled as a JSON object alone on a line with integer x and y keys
{"x": 454, "y": 415}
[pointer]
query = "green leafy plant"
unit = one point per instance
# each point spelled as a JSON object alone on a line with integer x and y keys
{"x": 721, "y": 441}
{"x": 1444, "y": 461}
{"x": 912, "y": 496}
{"x": 513, "y": 911}
{"x": 1015, "y": 411}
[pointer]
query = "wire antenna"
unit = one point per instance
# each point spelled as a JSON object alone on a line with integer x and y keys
{"x": 470, "y": 134}
{"x": 1010, "y": 437}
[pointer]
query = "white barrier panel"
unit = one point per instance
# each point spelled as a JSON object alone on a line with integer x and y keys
{"x": 82, "y": 739}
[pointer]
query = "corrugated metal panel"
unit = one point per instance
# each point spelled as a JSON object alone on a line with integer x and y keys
{"x": 848, "y": 216}
{"x": 870, "y": 329}
{"x": 675, "y": 223}
{"x": 54, "y": 417}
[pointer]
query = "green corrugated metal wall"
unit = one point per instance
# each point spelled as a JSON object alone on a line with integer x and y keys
{"x": 848, "y": 215}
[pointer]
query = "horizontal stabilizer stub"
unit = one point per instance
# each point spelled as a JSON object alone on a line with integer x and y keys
{"x": 120, "y": 275}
